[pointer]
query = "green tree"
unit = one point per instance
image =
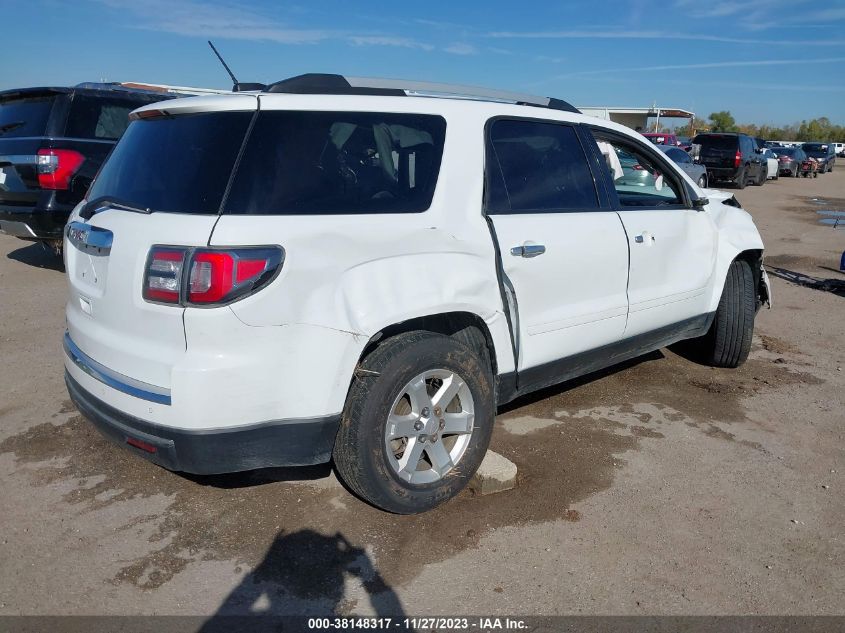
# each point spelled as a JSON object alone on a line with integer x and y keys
{"x": 722, "y": 122}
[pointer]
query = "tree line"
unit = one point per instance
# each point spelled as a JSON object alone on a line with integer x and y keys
{"x": 820, "y": 129}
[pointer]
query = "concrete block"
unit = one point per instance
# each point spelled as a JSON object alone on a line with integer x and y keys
{"x": 495, "y": 474}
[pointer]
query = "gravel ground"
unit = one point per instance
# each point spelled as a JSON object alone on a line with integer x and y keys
{"x": 659, "y": 487}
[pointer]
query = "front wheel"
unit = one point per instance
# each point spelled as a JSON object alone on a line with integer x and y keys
{"x": 728, "y": 340}
{"x": 417, "y": 422}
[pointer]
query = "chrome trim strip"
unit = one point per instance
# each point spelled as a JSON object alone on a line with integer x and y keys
{"x": 19, "y": 159}
{"x": 113, "y": 379}
{"x": 85, "y": 236}
{"x": 16, "y": 229}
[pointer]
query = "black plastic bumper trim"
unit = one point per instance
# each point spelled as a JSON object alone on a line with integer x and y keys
{"x": 296, "y": 442}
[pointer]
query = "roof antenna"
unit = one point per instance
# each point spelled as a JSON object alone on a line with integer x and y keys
{"x": 236, "y": 85}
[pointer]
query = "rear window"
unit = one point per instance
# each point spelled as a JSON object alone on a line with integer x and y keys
{"x": 97, "y": 117}
{"x": 178, "y": 164}
{"x": 25, "y": 117}
{"x": 300, "y": 163}
{"x": 716, "y": 141}
{"x": 815, "y": 148}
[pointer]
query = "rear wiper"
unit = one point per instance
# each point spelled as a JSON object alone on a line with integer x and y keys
{"x": 8, "y": 127}
{"x": 102, "y": 204}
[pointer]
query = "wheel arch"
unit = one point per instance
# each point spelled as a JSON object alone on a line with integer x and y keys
{"x": 467, "y": 327}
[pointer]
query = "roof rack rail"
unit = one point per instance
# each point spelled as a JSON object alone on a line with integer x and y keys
{"x": 319, "y": 83}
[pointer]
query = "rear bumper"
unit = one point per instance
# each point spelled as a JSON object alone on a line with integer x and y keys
{"x": 33, "y": 223}
{"x": 722, "y": 173}
{"x": 299, "y": 442}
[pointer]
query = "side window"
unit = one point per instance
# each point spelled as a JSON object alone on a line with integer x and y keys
{"x": 679, "y": 156}
{"x": 537, "y": 167}
{"x": 101, "y": 118}
{"x": 639, "y": 179}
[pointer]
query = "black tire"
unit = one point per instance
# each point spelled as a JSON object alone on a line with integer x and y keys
{"x": 761, "y": 177}
{"x": 360, "y": 454}
{"x": 740, "y": 180}
{"x": 728, "y": 340}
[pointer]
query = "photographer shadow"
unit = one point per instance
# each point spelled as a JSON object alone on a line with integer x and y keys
{"x": 302, "y": 573}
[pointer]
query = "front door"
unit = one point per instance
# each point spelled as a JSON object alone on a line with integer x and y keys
{"x": 672, "y": 245}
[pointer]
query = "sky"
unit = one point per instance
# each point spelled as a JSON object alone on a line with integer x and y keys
{"x": 766, "y": 61}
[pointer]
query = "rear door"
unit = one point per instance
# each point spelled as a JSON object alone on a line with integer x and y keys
{"x": 672, "y": 245}
{"x": 564, "y": 255}
{"x": 174, "y": 171}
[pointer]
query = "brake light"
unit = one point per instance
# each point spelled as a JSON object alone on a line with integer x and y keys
{"x": 737, "y": 158}
{"x": 163, "y": 277}
{"x": 57, "y": 166}
{"x": 214, "y": 276}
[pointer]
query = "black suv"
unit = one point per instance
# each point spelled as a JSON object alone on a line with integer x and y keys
{"x": 52, "y": 143}
{"x": 824, "y": 153}
{"x": 732, "y": 157}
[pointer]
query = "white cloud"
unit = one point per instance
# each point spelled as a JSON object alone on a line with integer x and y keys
{"x": 736, "y": 64}
{"x": 651, "y": 35}
{"x": 388, "y": 40}
{"x": 461, "y": 48}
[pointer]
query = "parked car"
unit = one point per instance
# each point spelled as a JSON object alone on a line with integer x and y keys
{"x": 282, "y": 305}
{"x": 732, "y": 157}
{"x": 824, "y": 153}
{"x": 52, "y": 143}
{"x": 840, "y": 149}
{"x": 697, "y": 172}
{"x": 685, "y": 143}
{"x": 772, "y": 164}
{"x": 789, "y": 160}
{"x": 633, "y": 173}
{"x": 658, "y": 138}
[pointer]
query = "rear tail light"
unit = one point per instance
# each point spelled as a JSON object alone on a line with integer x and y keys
{"x": 737, "y": 158}
{"x": 57, "y": 166}
{"x": 209, "y": 277}
{"x": 163, "y": 277}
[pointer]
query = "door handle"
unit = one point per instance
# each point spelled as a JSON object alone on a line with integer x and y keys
{"x": 528, "y": 249}
{"x": 644, "y": 237}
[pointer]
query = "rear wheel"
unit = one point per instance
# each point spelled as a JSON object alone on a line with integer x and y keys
{"x": 417, "y": 423}
{"x": 740, "y": 179}
{"x": 728, "y": 340}
{"x": 761, "y": 177}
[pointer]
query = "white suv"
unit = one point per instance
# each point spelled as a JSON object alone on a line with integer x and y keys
{"x": 363, "y": 270}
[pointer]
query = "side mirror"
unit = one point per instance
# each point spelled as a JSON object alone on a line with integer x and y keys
{"x": 759, "y": 150}
{"x": 699, "y": 204}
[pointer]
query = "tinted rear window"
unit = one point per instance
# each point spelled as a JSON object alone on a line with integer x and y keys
{"x": 338, "y": 163}
{"x": 816, "y": 148}
{"x": 716, "y": 142}
{"x": 179, "y": 164}
{"x": 98, "y": 117}
{"x": 25, "y": 117}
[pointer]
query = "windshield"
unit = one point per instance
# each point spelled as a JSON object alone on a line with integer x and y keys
{"x": 25, "y": 117}
{"x": 179, "y": 164}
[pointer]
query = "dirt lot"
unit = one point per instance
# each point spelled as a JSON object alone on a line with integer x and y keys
{"x": 658, "y": 487}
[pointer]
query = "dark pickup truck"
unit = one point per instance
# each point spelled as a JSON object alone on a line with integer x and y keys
{"x": 52, "y": 143}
